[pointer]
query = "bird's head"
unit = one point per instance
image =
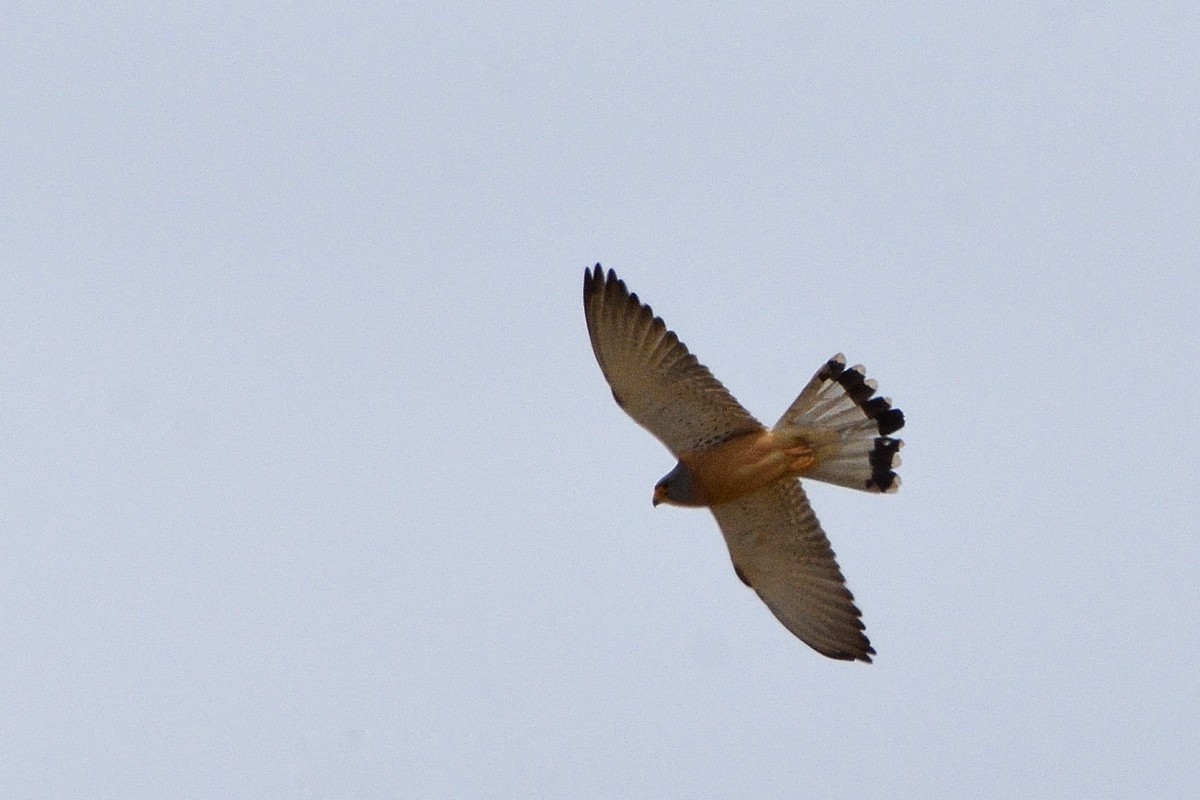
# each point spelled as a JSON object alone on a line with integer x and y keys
{"x": 677, "y": 488}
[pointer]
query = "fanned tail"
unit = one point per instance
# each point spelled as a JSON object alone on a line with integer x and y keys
{"x": 847, "y": 427}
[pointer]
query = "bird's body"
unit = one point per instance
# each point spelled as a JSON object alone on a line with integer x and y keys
{"x": 739, "y": 466}
{"x": 835, "y": 431}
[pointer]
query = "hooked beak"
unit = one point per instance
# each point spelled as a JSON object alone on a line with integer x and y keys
{"x": 660, "y": 495}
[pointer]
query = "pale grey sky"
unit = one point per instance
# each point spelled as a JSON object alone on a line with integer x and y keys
{"x": 314, "y": 489}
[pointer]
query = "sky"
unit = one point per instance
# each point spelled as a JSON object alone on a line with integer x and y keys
{"x": 313, "y": 488}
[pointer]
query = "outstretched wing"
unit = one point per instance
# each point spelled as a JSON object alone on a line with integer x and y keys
{"x": 780, "y": 551}
{"x": 652, "y": 374}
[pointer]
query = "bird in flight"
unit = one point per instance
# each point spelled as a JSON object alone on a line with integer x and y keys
{"x": 836, "y": 431}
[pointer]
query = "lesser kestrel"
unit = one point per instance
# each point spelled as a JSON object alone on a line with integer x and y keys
{"x": 836, "y": 431}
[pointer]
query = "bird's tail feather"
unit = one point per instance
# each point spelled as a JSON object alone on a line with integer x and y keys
{"x": 847, "y": 427}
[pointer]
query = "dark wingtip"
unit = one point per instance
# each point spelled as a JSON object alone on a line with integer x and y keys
{"x": 593, "y": 279}
{"x": 849, "y": 655}
{"x": 596, "y": 280}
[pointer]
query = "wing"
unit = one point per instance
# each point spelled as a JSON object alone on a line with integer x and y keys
{"x": 651, "y": 373}
{"x": 780, "y": 551}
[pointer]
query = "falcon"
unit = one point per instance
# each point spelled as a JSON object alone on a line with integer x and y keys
{"x": 836, "y": 431}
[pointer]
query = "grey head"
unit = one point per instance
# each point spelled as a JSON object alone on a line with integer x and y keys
{"x": 678, "y": 488}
